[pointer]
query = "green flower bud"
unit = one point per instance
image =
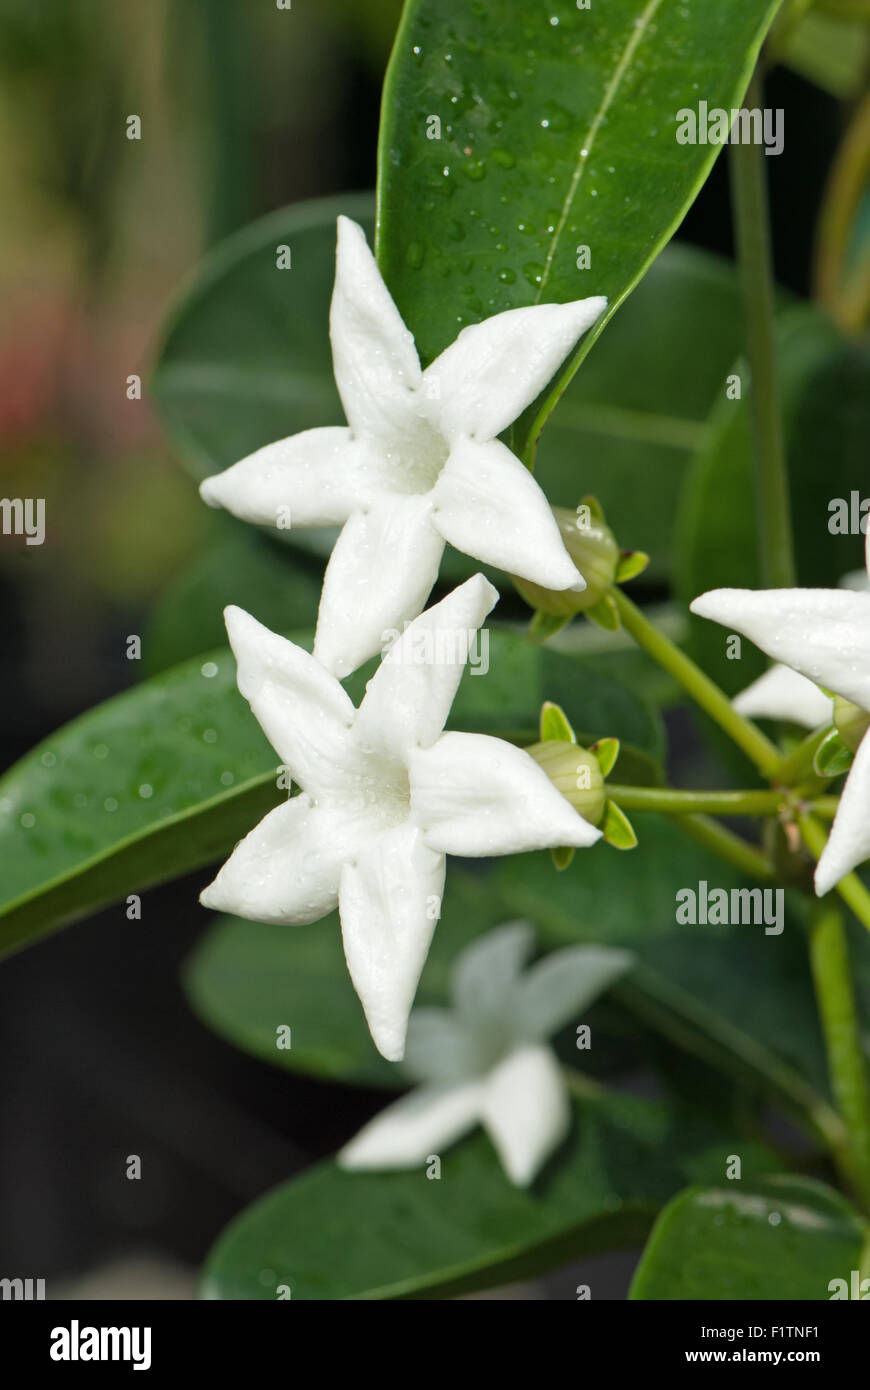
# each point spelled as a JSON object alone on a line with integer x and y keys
{"x": 852, "y": 722}
{"x": 575, "y": 773}
{"x": 594, "y": 550}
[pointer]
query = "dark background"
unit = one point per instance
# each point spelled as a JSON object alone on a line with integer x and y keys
{"x": 245, "y": 109}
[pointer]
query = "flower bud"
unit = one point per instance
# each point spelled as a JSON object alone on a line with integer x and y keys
{"x": 575, "y": 773}
{"x": 851, "y": 720}
{"x": 594, "y": 550}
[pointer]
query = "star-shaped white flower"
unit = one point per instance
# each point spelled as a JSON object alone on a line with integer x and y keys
{"x": 782, "y": 693}
{"x": 385, "y": 796}
{"x": 825, "y": 635}
{"x": 418, "y": 463}
{"x": 486, "y": 1061}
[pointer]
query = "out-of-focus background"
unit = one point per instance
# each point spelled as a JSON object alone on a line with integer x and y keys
{"x": 244, "y": 108}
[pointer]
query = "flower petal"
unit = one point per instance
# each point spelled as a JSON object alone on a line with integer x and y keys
{"x": 487, "y": 504}
{"x": 438, "y": 1047}
{"x": 389, "y": 901}
{"x": 485, "y": 975}
{"x": 376, "y": 367}
{"x": 526, "y": 1111}
{"x": 475, "y": 795}
{"x": 303, "y": 711}
{"x": 562, "y": 985}
{"x": 494, "y": 369}
{"x": 315, "y": 478}
{"x": 849, "y": 841}
{"x": 782, "y": 693}
{"x": 379, "y": 576}
{"x": 823, "y": 633}
{"x": 408, "y": 699}
{"x": 287, "y": 869}
{"x": 415, "y": 1128}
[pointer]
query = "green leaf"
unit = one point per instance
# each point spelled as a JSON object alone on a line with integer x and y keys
{"x": 245, "y": 357}
{"x": 237, "y": 565}
{"x": 336, "y": 1235}
{"x": 554, "y": 136}
{"x": 740, "y": 999}
{"x": 167, "y": 777}
{"x": 787, "y": 1238}
{"x": 826, "y": 405}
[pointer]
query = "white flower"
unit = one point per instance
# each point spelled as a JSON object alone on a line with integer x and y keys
{"x": 386, "y": 795}
{"x": 419, "y": 463}
{"x": 825, "y": 635}
{"x": 782, "y": 693}
{"x": 486, "y": 1061}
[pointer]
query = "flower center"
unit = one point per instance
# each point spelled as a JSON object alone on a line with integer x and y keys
{"x": 418, "y": 457}
{"x": 382, "y": 791}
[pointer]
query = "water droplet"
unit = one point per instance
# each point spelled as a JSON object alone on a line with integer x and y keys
{"x": 110, "y": 804}
{"x": 209, "y": 669}
{"x": 209, "y": 735}
{"x": 474, "y": 169}
{"x": 507, "y": 276}
{"x": 100, "y": 750}
{"x": 455, "y": 230}
{"x": 146, "y": 790}
{"x": 48, "y": 760}
{"x": 505, "y": 159}
{"x": 28, "y": 820}
{"x": 534, "y": 272}
{"x": 227, "y": 779}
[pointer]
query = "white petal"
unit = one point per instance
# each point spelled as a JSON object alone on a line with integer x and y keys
{"x": 303, "y": 711}
{"x": 494, "y": 369}
{"x": 849, "y": 841}
{"x": 389, "y": 902}
{"x": 316, "y": 478}
{"x": 408, "y": 699}
{"x": 485, "y": 975}
{"x": 782, "y": 693}
{"x": 413, "y": 1129}
{"x": 379, "y": 576}
{"x": 562, "y": 985}
{"x": 438, "y": 1047}
{"x": 823, "y": 633}
{"x": 376, "y": 367}
{"x": 487, "y": 504}
{"x": 287, "y": 869}
{"x": 475, "y": 795}
{"x": 526, "y": 1111}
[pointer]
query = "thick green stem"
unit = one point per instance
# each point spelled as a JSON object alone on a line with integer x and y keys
{"x": 705, "y": 692}
{"x": 752, "y": 234}
{"x": 829, "y": 958}
{"x": 728, "y": 846}
{"x": 672, "y": 802}
{"x": 850, "y": 888}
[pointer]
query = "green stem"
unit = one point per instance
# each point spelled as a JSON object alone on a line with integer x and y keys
{"x": 746, "y": 858}
{"x": 797, "y": 764}
{"x": 705, "y": 692}
{"x": 672, "y": 802}
{"x": 850, "y": 888}
{"x": 752, "y": 235}
{"x": 829, "y": 959}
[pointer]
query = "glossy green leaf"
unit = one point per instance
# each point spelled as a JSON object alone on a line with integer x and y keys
{"x": 335, "y": 1235}
{"x": 245, "y": 357}
{"x": 168, "y": 776}
{"x": 786, "y": 1238}
{"x": 739, "y": 998}
{"x": 826, "y": 405}
{"x": 557, "y": 132}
